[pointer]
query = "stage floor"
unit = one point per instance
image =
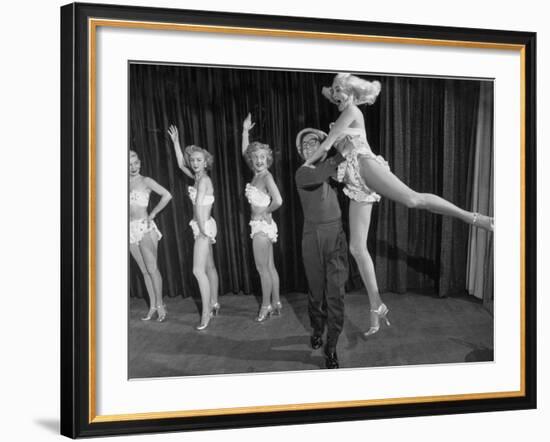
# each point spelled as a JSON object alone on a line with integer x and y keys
{"x": 425, "y": 330}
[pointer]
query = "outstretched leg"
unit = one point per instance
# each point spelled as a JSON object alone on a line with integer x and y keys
{"x": 380, "y": 179}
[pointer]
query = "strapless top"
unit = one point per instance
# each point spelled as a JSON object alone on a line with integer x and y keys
{"x": 352, "y": 132}
{"x": 256, "y": 197}
{"x": 206, "y": 201}
{"x": 139, "y": 198}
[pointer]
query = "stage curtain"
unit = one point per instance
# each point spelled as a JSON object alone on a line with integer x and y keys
{"x": 425, "y": 128}
{"x": 426, "y": 131}
{"x": 480, "y": 247}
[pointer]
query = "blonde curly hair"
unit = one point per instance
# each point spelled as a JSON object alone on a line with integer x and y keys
{"x": 362, "y": 91}
{"x": 208, "y": 157}
{"x": 254, "y": 147}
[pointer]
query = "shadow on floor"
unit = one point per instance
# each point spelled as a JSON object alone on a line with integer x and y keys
{"x": 425, "y": 330}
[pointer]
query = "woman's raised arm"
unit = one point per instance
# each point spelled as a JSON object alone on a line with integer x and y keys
{"x": 174, "y": 136}
{"x": 247, "y": 126}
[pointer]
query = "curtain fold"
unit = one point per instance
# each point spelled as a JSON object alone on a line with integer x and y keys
{"x": 426, "y": 128}
{"x": 461, "y": 101}
{"x": 427, "y": 133}
{"x": 480, "y": 246}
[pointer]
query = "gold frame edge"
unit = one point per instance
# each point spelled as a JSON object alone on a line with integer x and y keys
{"x": 93, "y": 23}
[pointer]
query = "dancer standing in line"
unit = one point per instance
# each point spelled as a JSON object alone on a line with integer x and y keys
{"x": 264, "y": 198}
{"x": 195, "y": 163}
{"x": 324, "y": 246}
{"x": 145, "y": 235}
{"x": 367, "y": 175}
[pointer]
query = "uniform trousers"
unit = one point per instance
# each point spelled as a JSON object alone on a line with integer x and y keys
{"x": 325, "y": 255}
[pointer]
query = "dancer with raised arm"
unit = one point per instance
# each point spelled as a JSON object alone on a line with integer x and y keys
{"x": 195, "y": 163}
{"x": 367, "y": 176}
{"x": 145, "y": 235}
{"x": 264, "y": 198}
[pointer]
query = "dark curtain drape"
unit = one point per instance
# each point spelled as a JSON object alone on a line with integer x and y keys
{"x": 480, "y": 251}
{"x": 425, "y": 128}
{"x": 427, "y": 132}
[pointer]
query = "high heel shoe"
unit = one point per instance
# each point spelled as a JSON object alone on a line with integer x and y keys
{"x": 380, "y": 313}
{"x": 204, "y": 322}
{"x": 277, "y": 307}
{"x": 161, "y": 316}
{"x": 215, "y": 309}
{"x": 150, "y": 314}
{"x": 265, "y": 312}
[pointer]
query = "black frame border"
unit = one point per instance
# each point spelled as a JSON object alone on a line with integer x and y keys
{"x": 75, "y": 400}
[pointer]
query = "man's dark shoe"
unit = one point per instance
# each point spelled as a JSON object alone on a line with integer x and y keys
{"x": 316, "y": 342}
{"x": 331, "y": 359}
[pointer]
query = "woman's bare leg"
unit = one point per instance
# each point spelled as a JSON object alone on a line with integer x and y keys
{"x": 200, "y": 258}
{"x": 359, "y": 223}
{"x": 148, "y": 247}
{"x": 260, "y": 247}
{"x": 380, "y": 179}
{"x": 275, "y": 295}
{"x": 212, "y": 275}
{"x": 136, "y": 254}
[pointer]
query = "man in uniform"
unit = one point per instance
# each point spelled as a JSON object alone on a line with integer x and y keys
{"x": 324, "y": 246}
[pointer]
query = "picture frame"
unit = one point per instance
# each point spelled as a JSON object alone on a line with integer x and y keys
{"x": 79, "y": 210}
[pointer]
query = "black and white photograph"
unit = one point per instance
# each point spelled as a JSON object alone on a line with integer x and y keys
{"x": 275, "y": 221}
{"x": 288, "y": 220}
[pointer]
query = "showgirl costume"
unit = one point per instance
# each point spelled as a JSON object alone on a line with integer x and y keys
{"x": 210, "y": 226}
{"x": 260, "y": 199}
{"x": 349, "y": 171}
{"x": 139, "y": 227}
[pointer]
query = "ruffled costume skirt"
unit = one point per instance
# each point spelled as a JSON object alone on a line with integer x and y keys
{"x": 350, "y": 174}
{"x": 139, "y": 227}
{"x": 262, "y": 226}
{"x": 210, "y": 227}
